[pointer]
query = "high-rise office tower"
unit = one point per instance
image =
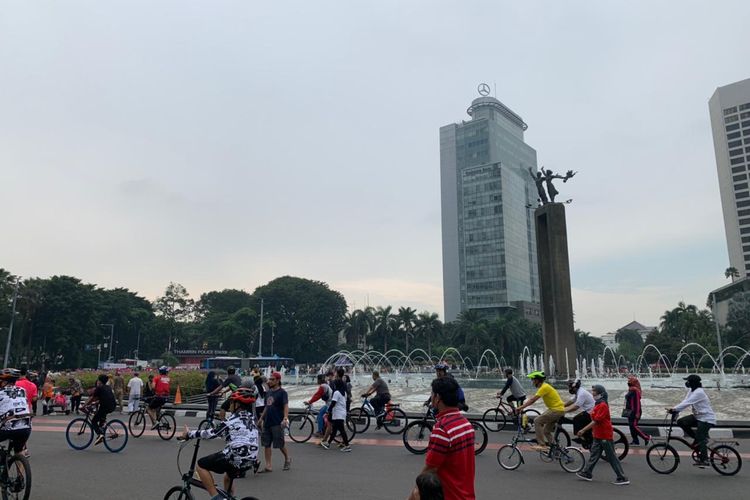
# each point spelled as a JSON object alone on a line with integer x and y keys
{"x": 729, "y": 108}
{"x": 488, "y": 197}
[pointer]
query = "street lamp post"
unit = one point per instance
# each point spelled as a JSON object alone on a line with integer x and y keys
{"x": 260, "y": 335}
{"x": 111, "y": 338}
{"x": 10, "y": 328}
{"x": 718, "y": 333}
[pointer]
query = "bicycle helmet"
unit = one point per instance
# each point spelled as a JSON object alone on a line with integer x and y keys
{"x": 243, "y": 395}
{"x": 574, "y": 385}
{"x": 9, "y": 374}
{"x": 441, "y": 366}
{"x": 163, "y": 370}
{"x": 536, "y": 375}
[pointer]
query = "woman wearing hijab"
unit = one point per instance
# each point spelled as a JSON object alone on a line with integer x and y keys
{"x": 632, "y": 411}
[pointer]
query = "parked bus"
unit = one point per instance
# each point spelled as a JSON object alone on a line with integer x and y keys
{"x": 223, "y": 362}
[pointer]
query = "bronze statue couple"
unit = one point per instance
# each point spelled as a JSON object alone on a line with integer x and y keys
{"x": 543, "y": 177}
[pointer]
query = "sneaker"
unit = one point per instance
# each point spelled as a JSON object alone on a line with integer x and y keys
{"x": 583, "y": 476}
{"x": 346, "y": 449}
{"x": 702, "y": 464}
{"x": 287, "y": 465}
{"x": 325, "y": 445}
{"x": 99, "y": 439}
{"x": 621, "y": 481}
{"x": 341, "y": 445}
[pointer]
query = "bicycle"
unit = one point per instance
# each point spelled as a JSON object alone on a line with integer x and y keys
{"x": 394, "y": 419}
{"x": 15, "y": 475}
{"x": 301, "y": 426}
{"x": 496, "y": 418}
{"x": 416, "y": 435}
{"x": 188, "y": 480}
{"x": 562, "y": 437}
{"x": 664, "y": 459}
{"x": 80, "y": 432}
{"x": 509, "y": 456}
{"x": 166, "y": 425}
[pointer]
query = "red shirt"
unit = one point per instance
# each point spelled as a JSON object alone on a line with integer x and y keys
{"x": 161, "y": 385}
{"x": 451, "y": 453}
{"x": 602, "y": 424}
{"x": 30, "y": 388}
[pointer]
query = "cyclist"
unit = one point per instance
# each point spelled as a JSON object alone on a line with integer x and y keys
{"x": 545, "y": 423}
{"x": 161, "y": 394}
{"x": 583, "y": 401}
{"x": 517, "y": 394}
{"x": 230, "y": 384}
{"x": 324, "y": 394}
{"x": 241, "y": 451}
{"x": 382, "y": 397}
{"x": 703, "y": 417}
{"x": 15, "y": 413}
{"x": 104, "y": 396}
{"x": 441, "y": 370}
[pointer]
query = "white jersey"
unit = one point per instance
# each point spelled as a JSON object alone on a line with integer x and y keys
{"x": 14, "y": 409}
{"x": 241, "y": 436}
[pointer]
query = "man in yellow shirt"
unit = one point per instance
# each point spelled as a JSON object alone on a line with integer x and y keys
{"x": 544, "y": 424}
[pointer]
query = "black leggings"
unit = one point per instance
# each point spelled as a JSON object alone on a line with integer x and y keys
{"x": 338, "y": 426}
{"x": 75, "y": 403}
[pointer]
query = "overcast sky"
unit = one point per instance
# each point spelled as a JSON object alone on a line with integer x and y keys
{"x": 224, "y": 144}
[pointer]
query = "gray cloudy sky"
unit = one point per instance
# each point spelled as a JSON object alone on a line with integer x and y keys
{"x": 223, "y": 144}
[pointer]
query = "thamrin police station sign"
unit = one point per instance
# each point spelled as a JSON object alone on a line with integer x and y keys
{"x": 200, "y": 352}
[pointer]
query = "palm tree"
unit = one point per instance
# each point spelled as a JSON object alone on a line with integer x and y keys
{"x": 383, "y": 324}
{"x": 407, "y": 317}
{"x": 732, "y": 272}
{"x": 427, "y": 324}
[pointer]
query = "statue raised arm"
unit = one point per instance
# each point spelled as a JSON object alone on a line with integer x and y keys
{"x": 539, "y": 181}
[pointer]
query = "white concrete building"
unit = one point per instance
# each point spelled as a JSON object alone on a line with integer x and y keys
{"x": 729, "y": 108}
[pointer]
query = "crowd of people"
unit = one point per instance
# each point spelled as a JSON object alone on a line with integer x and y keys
{"x": 256, "y": 414}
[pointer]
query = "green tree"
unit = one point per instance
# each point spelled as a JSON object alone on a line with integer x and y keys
{"x": 588, "y": 345}
{"x": 731, "y": 272}
{"x": 407, "y": 318}
{"x": 630, "y": 344}
{"x": 384, "y": 326}
{"x": 427, "y": 326}
{"x": 176, "y": 307}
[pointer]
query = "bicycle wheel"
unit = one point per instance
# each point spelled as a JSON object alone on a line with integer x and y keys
{"x": 395, "y": 421}
{"x": 205, "y": 425}
{"x": 572, "y": 459}
{"x": 480, "y": 438}
{"x": 529, "y": 416}
{"x": 662, "y": 458}
{"x": 17, "y": 484}
{"x": 562, "y": 438}
{"x": 360, "y": 419}
{"x": 79, "y": 434}
{"x": 300, "y": 428}
{"x": 494, "y": 420}
{"x": 621, "y": 444}
{"x": 115, "y": 435}
{"x": 178, "y": 493}
{"x": 725, "y": 460}
{"x": 509, "y": 457}
{"x": 167, "y": 426}
{"x": 349, "y": 429}
{"x": 417, "y": 437}
{"x": 137, "y": 423}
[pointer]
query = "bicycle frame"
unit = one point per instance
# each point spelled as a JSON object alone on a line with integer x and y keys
{"x": 710, "y": 444}
{"x": 187, "y": 478}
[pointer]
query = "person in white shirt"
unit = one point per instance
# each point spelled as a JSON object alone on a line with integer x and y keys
{"x": 582, "y": 400}
{"x": 703, "y": 417}
{"x": 134, "y": 392}
{"x": 337, "y": 415}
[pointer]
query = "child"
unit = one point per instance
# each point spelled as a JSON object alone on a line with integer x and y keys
{"x": 241, "y": 451}
{"x": 602, "y": 431}
{"x": 337, "y": 416}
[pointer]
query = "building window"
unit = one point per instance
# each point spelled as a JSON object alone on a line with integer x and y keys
{"x": 746, "y": 124}
{"x": 745, "y": 230}
{"x": 745, "y": 106}
{"x": 746, "y": 248}
{"x": 731, "y": 119}
{"x": 735, "y": 152}
{"x": 740, "y": 186}
{"x": 743, "y": 203}
{"x": 746, "y": 239}
{"x": 734, "y": 126}
{"x": 738, "y": 169}
{"x": 745, "y": 115}
{"x": 744, "y": 222}
{"x": 744, "y": 194}
{"x": 734, "y": 144}
{"x": 743, "y": 213}
{"x": 734, "y": 135}
{"x": 736, "y": 161}
{"x": 731, "y": 110}
{"x": 740, "y": 177}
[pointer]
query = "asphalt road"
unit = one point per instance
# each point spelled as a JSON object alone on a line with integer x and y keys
{"x": 378, "y": 468}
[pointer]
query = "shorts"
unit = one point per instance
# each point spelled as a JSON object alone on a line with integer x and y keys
{"x": 218, "y": 463}
{"x": 272, "y": 435}
{"x": 157, "y": 403}
{"x": 225, "y": 405}
{"x": 17, "y": 438}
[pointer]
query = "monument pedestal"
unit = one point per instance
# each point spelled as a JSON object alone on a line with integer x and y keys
{"x": 554, "y": 287}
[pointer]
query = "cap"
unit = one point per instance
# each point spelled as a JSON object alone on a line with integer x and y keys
{"x": 276, "y": 375}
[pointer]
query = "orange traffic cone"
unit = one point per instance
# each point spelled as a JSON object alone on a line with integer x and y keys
{"x": 178, "y": 396}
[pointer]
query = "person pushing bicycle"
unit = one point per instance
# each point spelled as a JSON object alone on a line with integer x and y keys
{"x": 545, "y": 423}
{"x": 703, "y": 417}
{"x": 241, "y": 451}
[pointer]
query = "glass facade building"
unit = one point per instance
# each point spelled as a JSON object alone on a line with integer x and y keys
{"x": 488, "y": 197}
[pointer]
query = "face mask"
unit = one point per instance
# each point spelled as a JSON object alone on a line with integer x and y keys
{"x": 597, "y": 397}
{"x": 687, "y": 384}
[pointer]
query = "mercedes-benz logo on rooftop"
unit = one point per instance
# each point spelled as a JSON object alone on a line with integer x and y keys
{"x": 483, "y": 89}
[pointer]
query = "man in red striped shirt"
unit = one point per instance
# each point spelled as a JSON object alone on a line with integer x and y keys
{"x": 451, "y": 451}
